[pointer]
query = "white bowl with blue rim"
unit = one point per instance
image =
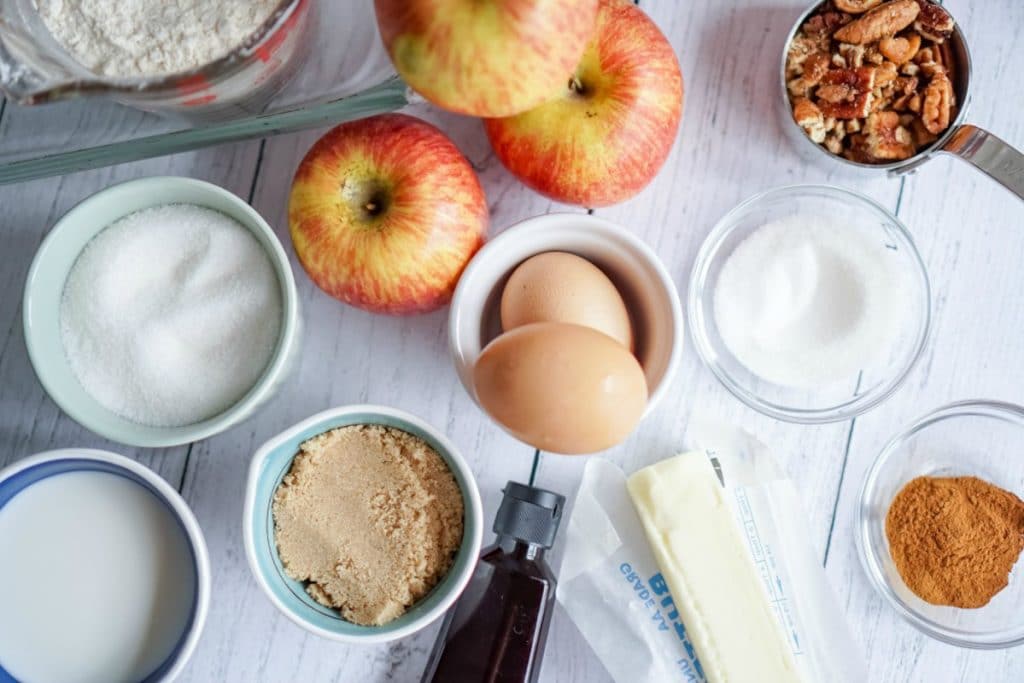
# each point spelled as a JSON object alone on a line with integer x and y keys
{"x": 57, "y": 256}
{"x": 28, "y": 472}
{"x": 269, "y": 466}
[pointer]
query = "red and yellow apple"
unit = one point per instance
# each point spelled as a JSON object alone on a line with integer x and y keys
{"x": 606, "y": 135}
{"x": 385, "y": 213}
{"x": 486, "y": 58}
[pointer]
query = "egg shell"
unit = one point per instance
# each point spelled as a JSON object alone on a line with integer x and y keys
{"x": 560, "y": 287}
{"x": 562, "y": 388}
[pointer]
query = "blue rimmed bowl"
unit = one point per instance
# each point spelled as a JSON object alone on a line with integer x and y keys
{"x": 30, "y": 471}
{"x": 269, "y": 466}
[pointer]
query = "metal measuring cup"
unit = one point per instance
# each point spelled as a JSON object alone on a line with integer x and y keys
{"x": 981, "y": 149}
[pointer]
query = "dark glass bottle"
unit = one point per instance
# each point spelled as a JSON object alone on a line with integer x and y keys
{"x": 495, "y": 633}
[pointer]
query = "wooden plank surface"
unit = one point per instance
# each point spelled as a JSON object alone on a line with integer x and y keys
{"x": 969, "y": 231}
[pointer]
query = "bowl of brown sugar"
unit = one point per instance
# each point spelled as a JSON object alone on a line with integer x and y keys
{"x": 941, "y": 524}
{"x": 362, "y": 524}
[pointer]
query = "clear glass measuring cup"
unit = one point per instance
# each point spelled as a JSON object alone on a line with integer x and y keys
{"x": 35, "y": 68}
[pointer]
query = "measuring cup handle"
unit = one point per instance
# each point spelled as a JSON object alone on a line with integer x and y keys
{"x": 990, "y": 155}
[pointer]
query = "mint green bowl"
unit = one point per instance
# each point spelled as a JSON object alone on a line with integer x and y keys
{"x": 45, "y": 287}
{"x": 269, "y": 466}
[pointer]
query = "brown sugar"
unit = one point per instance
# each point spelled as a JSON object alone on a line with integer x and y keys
{"x": 955, "y": 539}
{"x": 370, "y": 518}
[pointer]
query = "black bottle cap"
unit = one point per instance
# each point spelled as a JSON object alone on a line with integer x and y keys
{"x": 529, "y": 514}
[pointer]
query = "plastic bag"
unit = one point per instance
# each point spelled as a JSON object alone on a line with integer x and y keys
{"x": 611, "y": 587}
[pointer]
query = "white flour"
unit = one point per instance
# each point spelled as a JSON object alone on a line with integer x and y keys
{"x": 126, "y": 38}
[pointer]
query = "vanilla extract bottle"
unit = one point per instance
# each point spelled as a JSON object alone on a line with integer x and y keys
{"x": 496, "y": 631}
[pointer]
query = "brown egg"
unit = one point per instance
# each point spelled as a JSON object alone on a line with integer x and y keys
{"x": 561, "y": 388}
{"x": 564, "y": 288}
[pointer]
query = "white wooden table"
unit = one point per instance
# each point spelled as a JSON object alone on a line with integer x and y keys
{"x": 970, "y": 231}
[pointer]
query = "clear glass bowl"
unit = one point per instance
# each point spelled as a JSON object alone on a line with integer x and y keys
{"x": 839, "y": 400}
{"x": 978, "y": 438}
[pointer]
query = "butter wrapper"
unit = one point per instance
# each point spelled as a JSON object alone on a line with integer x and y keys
{"x": 612, "y": 588}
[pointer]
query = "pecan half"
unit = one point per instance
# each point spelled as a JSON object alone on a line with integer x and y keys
{"x": 847, "y": 93}
{"x": 856, "y": 6}
{"x": 937, "y": 105}
{"x": 809, "y": 117}
{"x": 933, "y": 22}
{"x": 881, "y": 22}
{"x": 886, "y": 139}
{"x": 900, "y": 50}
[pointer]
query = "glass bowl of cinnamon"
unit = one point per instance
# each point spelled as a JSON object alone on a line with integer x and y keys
{"x": 941, "y": 524}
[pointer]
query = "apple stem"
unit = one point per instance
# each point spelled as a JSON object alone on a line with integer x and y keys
{"x": 576, "y": 86}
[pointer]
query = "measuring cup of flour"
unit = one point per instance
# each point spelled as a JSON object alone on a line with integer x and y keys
{"x": 52, "y": 51}
{"x": 981, "y": 149}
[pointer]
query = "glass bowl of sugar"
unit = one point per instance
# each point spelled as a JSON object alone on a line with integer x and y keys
{"x": 810, "y": 303}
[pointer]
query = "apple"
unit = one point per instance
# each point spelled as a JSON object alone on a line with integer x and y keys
{"x": 486, "y": 58}
{"x": 385, "y": 213}
{"x": 604, "y": 138}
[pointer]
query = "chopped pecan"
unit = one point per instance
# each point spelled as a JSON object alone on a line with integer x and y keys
{"x": 858, "y": 149}
{"x": 798, "y": 87}
{"x": 815, "y": 67}
{"x": 799, "y": 51}
{"x": 925, "y": 56}
{"x": 937, "y": 105}
{"x": 853, "y": 55}
{"x": 856, "y": 6}
{"x": 873, "y": 56}
{"x": 902, "y": 86}
{"x": 881, "y": 22}
{"x": 853, "y": 126}
{"x": 886, "y": 139}
{"x": 922, "y": 137}
{"x": 834, "y": 143}
{"x": 825, "y": 24}
{"x": 910, "y": 69}
{"x": 914, "y": 104}
{"x": 809, "y": 117}
{"x": 886, "y": 73}
{"x": 933, "y": 22}
{"x": 847, "y": 93}
{"x": 900, "y": 50}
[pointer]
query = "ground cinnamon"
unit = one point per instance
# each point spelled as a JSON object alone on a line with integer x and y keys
{"x": 955, "y": 539}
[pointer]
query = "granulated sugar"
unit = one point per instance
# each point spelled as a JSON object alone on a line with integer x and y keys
{"x": 127, "y": 38}
{"x": 809, "y": 300}
{"x": 171, "y": 315}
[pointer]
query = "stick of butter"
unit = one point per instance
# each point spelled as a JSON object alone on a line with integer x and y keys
{"x": 708, "y": 568}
